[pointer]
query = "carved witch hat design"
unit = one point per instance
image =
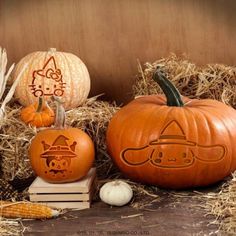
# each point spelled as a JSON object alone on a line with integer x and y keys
{"x": 59, "y": 147}
{"x": 49, "y": 70}
{"x": 172, "y": 133}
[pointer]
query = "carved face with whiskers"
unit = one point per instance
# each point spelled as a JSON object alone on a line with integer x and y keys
{"x": 47, "y": 81}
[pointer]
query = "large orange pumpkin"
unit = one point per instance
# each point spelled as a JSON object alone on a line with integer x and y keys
{"x": 52, "y": 73}
{"x": 172, "y": 141}
{"x": 61, "y": 154}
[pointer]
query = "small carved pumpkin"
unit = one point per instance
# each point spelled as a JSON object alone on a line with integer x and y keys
{"x": 52, "y": 73}
{"x": 172, "y": 141}
{"x": 38, "y": 114}
{"x": 61, "y": 154}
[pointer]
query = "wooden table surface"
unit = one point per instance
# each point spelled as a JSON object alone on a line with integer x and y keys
{"x": 166, "y": 216}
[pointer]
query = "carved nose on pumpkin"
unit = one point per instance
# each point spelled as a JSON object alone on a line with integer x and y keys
{"x": 137, "y": 156}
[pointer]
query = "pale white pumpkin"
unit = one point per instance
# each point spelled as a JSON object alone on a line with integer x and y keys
{"x": 52, "y": 73}
{"x": 116, "y": 193}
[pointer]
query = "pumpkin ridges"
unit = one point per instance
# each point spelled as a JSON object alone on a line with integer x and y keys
{"x": 84, "y": 149}
{"x": 127, "y": 127}
{"x": 203, "y": 174}
{"x": 45, "y": 117}
{"x": 192, "y": 129}
{"x": 83, "y": 71}
{"x": 40, "y": 119}
{"x": 71, "y": 81}
{"x": 27, "y": 116}
{"x": 81, "y": 80}
{"x": 116, "y": 193}
{"x": 33, "y": 60}
{"x": 61, "y": 154}
{"x": 219, "y": 114}
{"x": 85, "y": 92}
{"x": 17, "y": 67}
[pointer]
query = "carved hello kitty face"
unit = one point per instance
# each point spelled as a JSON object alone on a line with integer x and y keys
{"x": 38, "y": 89}
{"x": 47, "y": 81}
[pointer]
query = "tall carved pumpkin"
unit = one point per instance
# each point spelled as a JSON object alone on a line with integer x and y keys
{"x": 52, "y": 73}
{"x": 61, "y": 154}
{"x": 172, "y": 141}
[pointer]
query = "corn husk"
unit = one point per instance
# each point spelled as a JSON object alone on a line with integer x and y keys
{"x": 26, "y": 210}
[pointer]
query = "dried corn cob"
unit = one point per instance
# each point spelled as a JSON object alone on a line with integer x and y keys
{"x": 26, "y": 210}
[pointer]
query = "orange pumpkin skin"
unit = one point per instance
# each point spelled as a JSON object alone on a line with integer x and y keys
{"x": 61, "y": 155}
{"x": 43, "y": 118}
{"x": 173, "y": 147}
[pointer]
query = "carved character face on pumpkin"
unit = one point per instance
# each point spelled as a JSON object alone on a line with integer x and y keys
{"x": 162, "y": 152}
{"x": 58, "y": 157}
{"x": 164, "y": 156}
{"x": 59, "y": 164}
{"x": 39, "y": 86}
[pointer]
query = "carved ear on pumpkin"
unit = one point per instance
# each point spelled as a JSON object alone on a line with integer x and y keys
{"x": 137, "y": 156}
{"x": 209, "y": 153}
{"x": 38, "y": 72}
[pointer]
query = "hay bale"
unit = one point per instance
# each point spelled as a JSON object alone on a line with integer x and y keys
{"x": 212, "y": 81}
{"x": 15, "y": 136}
{"x": 222, "y": 205}
{"x": 11, "y": 227}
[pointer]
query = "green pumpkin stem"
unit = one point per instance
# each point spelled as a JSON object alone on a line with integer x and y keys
{"x": 40, "y": 104}
{"x": 60, "y": 113}
{"x": 172, "y": 94}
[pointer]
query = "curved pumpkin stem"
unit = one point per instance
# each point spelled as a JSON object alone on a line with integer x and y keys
{"x": 40, "y": 104}
{"x": 60, "y": 113}
{"x": 172, "y": 94}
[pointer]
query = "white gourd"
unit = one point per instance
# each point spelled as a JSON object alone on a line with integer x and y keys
{"x": 116, "y": 193}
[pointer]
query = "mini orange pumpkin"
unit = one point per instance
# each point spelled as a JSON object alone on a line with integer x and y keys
{"x": 38, "y": 114}
{"x": 173, "y": 142}
{"x": 61, "y": 154}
